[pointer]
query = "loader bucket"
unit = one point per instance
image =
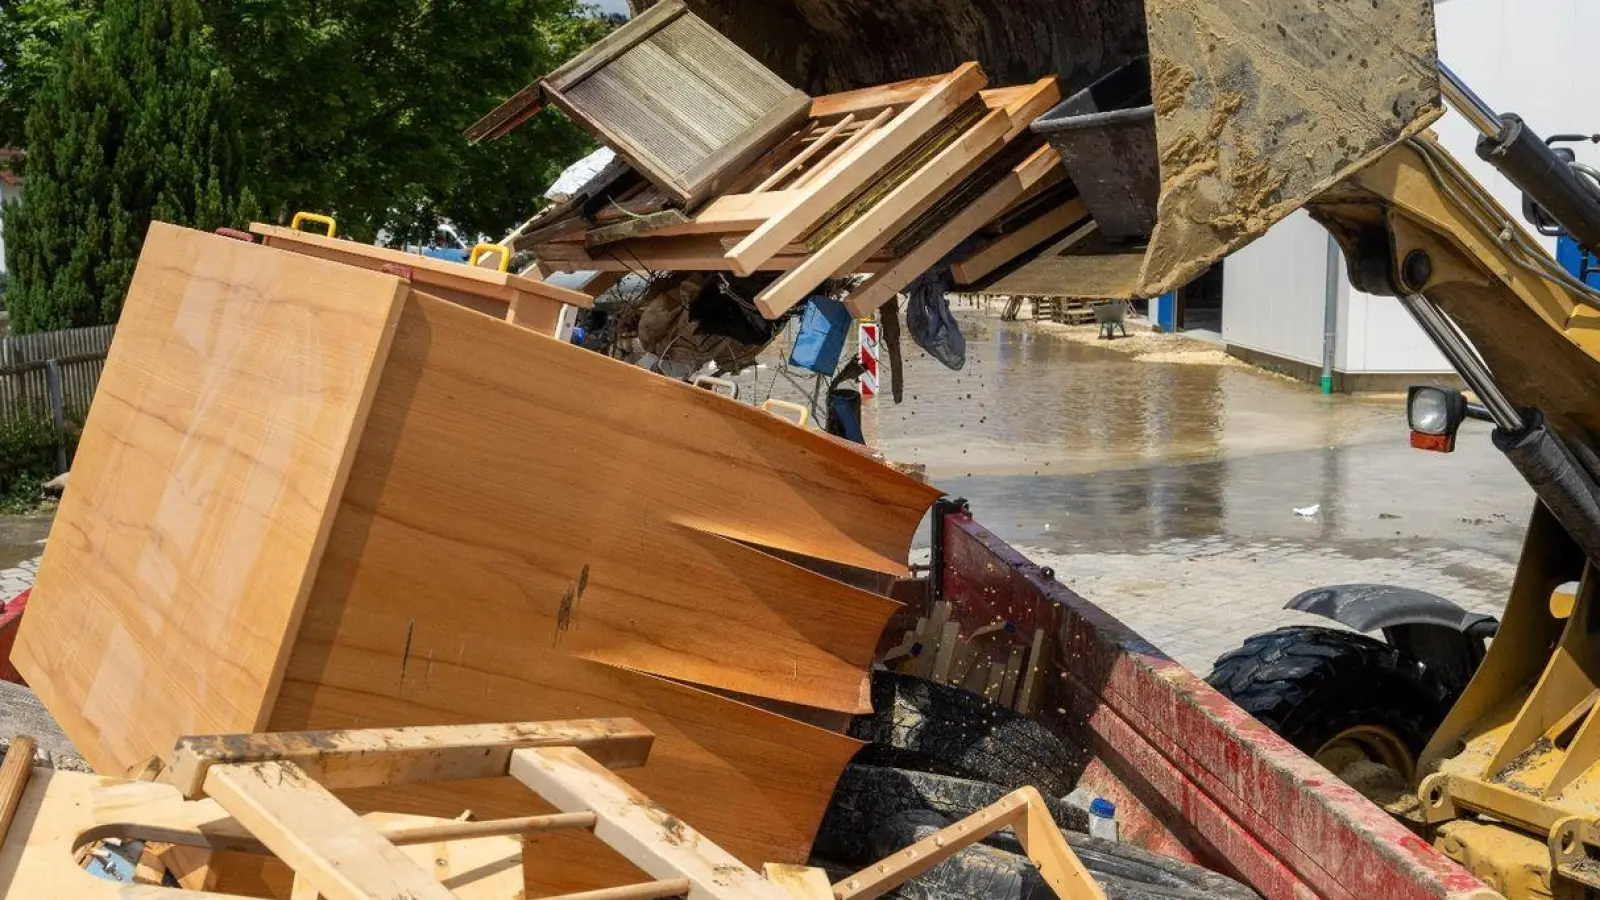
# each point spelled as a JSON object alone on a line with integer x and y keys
{"x": 1258, "y": 105}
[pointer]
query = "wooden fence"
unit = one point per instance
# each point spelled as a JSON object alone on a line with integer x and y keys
{"x": 52, "y": 376}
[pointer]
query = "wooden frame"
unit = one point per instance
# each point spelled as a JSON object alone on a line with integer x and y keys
{"x": 668, "y": 49}
{"x": 270, "y": 794}
{"x": 1010, "y": 114}
{"x": 1040, "y": 168}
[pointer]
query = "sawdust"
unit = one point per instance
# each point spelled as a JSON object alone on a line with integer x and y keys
{"x": 1143, "y": 345}
{"x": 1170, "y": 85}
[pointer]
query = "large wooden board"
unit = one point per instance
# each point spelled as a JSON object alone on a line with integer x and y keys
{"x": 180, "y": 559}
{"x": 601, "y": 511}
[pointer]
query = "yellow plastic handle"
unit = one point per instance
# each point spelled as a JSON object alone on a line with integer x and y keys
{"x": 303, "y": 217}
{"x": 483, "y": 250}
{"x": 718, "y": 386}
{"x": 803, "y": 414}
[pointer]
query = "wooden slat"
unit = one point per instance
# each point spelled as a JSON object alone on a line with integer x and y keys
{"x": 871, "y": 100}
{"x": 688, "y": 253}
{"x": 1044, "y": 163}
{"x": 14, "y": 775}
{"x": 862, "y": 163}
{"x": 841, "y": 154}
{"x": 734, "y": 213}
{"x": 616, "y": 43}
{"x": 633, "y": 825}
{"x": 877, "y": 226}
{"x": 327, "y": 844}
{"x": 804, "y": 156}
{"x": 1007, "y": 247}
{"x": 177, "y": 570}
{"x": 368, "y": 757}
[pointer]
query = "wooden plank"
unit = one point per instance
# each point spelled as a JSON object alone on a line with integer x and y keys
{"x": 804, "y": 156}
{"x": 426, "y": 271}
{"x": 1013, "y": 673}
{"x": 178, "y": 567}
{"x": 14, "y": 774}
{"x": 861, "y": 238}
{"x": 633, "y": 825}
{"x": 687, "y": 253}
{"x": 1044, "y": 843}
{"x": 1043, "y": 164}
{"x": 858, "y": 166}
{"x": 1028, "y": 693}
{"x": 1007, "y": 247}
{"x": 841, "y": 154}
{"x": 871, "y": 100}
{"x": 348, "y": 758}
{"x": 323, "y": 840}
{"x": 733, "y": 213}
{"x": 877, "y": 880}
{"x": 800, "y": 882}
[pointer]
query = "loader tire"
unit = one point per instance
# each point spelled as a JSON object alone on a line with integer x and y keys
{"x": 921, "y": 724}
{"x": 1311, "y": 685}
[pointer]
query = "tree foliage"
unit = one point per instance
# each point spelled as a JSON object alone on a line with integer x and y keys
{"x": 31, "y": 34}
{"x": 358, "y": 106}
{"x": 134, "y": 123}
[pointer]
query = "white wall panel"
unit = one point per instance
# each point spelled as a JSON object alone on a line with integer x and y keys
{"x": 1272, "y": 291}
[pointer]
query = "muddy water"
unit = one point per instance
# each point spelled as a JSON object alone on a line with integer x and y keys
{"x": 20, "y": 538}
{"x": 1075, "y": 448}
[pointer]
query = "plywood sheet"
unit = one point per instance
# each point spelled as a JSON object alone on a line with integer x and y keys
{"x": 200, "y": 502}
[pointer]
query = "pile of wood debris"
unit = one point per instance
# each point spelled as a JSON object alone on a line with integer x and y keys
{"x": 723, "y": 167}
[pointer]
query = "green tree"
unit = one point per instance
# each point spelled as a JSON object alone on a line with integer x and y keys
{"x": 133, "y": 123}
{"x": 357, "y": 108}
{"x": 31, "y": 32}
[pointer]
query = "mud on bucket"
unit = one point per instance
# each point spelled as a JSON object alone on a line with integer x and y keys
{"x": 1106, "y": 135}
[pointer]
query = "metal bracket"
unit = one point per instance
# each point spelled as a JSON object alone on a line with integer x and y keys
{"x": 944, "y": 506}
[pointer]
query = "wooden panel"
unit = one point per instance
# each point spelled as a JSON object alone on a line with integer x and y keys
{"x": 200, "y": 502}
{"x": 606, "y": 566}
{"x": 860, "y": 165}
{"x": 427, "y": 272}
{"x": 466, "y": 582}
{"x": 882, "y": 287}
{"x": 684, "y": 105}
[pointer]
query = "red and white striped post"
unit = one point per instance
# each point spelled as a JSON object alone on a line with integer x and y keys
{"x": 868, "y": 340}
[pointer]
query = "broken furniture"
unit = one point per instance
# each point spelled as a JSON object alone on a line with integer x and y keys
{"x": 886, "y": 180}
{"x": 519, "y": 300}
{"x": 315, "y": 496}
{"x": 270, "y": 795}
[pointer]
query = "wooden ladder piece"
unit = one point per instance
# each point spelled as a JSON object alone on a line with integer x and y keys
{"x": 329, "y": 847}
{"x": 1023, "y": 811}
{"x": 648, "y": 836}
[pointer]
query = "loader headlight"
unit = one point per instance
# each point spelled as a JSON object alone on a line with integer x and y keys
{"x": 1435, "y": 415}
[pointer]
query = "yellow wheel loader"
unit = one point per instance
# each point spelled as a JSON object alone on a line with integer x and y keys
{"x": 1259, "y": 108}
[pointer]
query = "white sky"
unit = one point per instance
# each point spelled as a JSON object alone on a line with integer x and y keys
{"x": 612, "y": 6}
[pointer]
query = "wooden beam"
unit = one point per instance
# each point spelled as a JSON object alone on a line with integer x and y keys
{"x": 1007, "y": 247}
{"x": 874, "y": 228}
{"x": 324, "y": 841}
{"x": 14, "y": 775}
{"x": 862, "y": 163}
{"x": 871, "y": 100}
{"x": 1042, "y": 164}
{"x": 733, "y": 213}
{"x": 687, "y": 253}
{"x": 842, "y": 152}
{"x": 800, "y": 882}
{"x": 636, "y": 828}
{"x": 390, "y": 756}
{"x": 1044, "y": 843}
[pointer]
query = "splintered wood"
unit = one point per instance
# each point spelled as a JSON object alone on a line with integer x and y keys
{"x": 314, "y": 496}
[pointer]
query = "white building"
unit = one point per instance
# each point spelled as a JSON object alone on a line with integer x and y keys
{"x": 1531, "y": 57}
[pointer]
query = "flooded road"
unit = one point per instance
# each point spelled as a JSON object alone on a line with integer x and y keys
{"x": 20, "y": 540}
{"x": 1167, "y": 492}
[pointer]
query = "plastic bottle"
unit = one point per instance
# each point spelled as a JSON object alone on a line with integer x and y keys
{"x": 1103, "y": 819}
